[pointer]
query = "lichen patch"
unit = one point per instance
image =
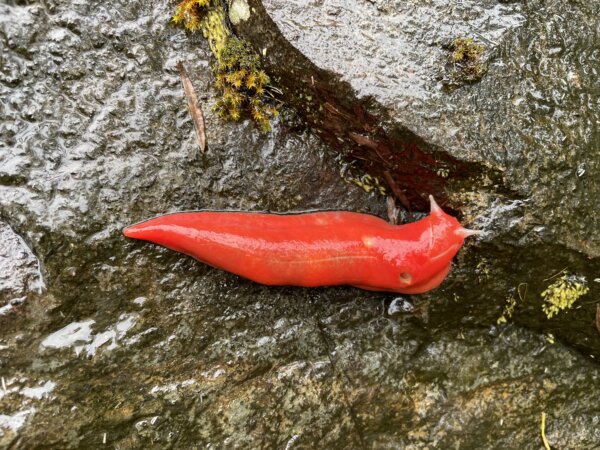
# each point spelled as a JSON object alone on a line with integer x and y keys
{"x": 239, "y": 11}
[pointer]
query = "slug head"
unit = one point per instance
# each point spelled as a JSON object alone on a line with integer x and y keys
{"x": 441, "y": 239}
{"x": 446, "y": 234}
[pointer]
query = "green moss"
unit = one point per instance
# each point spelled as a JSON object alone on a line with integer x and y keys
{"x": 515, "y": 297}
{"x": 244, "y": 84}
{"x": 239, "y": 77}
{"x": 366, "y": 182}
{"x": 563, "y": 293}
{"x": 509, "y": 309}
{"x": 465, "y": 63}
{"x": 465, "y": 50}
{"x": 483, "y": 270}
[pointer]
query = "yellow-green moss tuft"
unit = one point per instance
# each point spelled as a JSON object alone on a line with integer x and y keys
{"x": 244, "y": 84}
{"x": 509, "y": 309}
{"x": 466, "y": 50}
{"x": 563, "y": 293}
{"x": 239, "y": 77}
{"x": 466, "y": 63}
{"x": 189, "y": 13}
{"x": 514, "y": 298}
{"x": 366, "y": 182}
{"x": 483, "y": 270}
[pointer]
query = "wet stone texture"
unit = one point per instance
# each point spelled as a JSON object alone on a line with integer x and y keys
{"x": 119, "y": 344}
{"x": 533, "y": 118}
{"x": 19, "y": 270}
{"x": 534, "y": 115}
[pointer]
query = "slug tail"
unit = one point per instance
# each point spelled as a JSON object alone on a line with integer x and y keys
{"x": 131, "y": 232}
{"x": 141, "y": 231}
{"x": 146, "y": 231}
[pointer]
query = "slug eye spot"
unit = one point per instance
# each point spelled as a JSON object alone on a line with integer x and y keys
{"x": 405, "y": 278}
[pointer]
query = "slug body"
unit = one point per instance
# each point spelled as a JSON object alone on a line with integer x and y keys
{"x": 315, "y": 249}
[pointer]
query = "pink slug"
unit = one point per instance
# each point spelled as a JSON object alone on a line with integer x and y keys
{"x": 315, "y": 249}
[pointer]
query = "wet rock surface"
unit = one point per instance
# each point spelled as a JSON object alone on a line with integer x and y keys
{"x": 533, "y": 115}
{"x": 133, "y": 346}
{"x": 527, "y": 125}
{"x": 20, "y": 271}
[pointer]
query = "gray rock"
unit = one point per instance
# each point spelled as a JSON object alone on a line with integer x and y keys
{"x": 132, "y": 346}
{"x": 20, "y": 271}
{"x": 524, "y": 180}
{"x": 532, "y": 116}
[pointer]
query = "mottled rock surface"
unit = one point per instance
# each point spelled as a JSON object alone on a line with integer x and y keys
{"x": 132, "y": 346}
{"x": 20, "y": 271}
{"x": 534, "y": 115}
{"x": 527, "y": 126}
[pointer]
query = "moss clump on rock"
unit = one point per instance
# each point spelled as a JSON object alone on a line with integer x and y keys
{"x": 466, "y": 50}
{"x": 243, "y": 84}
{"x": 465, "y": 63}
{"x": 508, "y": 310}
{"x": 206, "y": 16}
{"x": 563, "y": 293}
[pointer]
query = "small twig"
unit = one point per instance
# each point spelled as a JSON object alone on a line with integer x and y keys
{"x": 363, "y": 140}
{"x": 555, "y": 275}
{"x": 544, "y": 440}
{"x": 522, "y": 296}
{"x": 396, "y": 190}
{"x": 193, "y": 106}
{"x": 598, "y": 317}
{"x": 333, "y": 110}
{"x": 392, "y": 210}
{"x": 483, "y": 38}
{"x": 274, "y": 89}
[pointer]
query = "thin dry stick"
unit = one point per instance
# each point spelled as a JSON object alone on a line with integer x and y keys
{"x": 555, "y": 275}
{"x": 193, "y": 106}
{"x": 392, "y": 210}
{"x": 524, "y": 294}
{"x": 396, "y": 190}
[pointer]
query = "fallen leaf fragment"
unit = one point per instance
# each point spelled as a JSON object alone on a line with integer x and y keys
{"x": 193, "y": 106}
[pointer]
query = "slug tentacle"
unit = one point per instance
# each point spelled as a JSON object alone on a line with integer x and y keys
{"x": 466, "y": 232}
{"x": 435, "y": 209}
